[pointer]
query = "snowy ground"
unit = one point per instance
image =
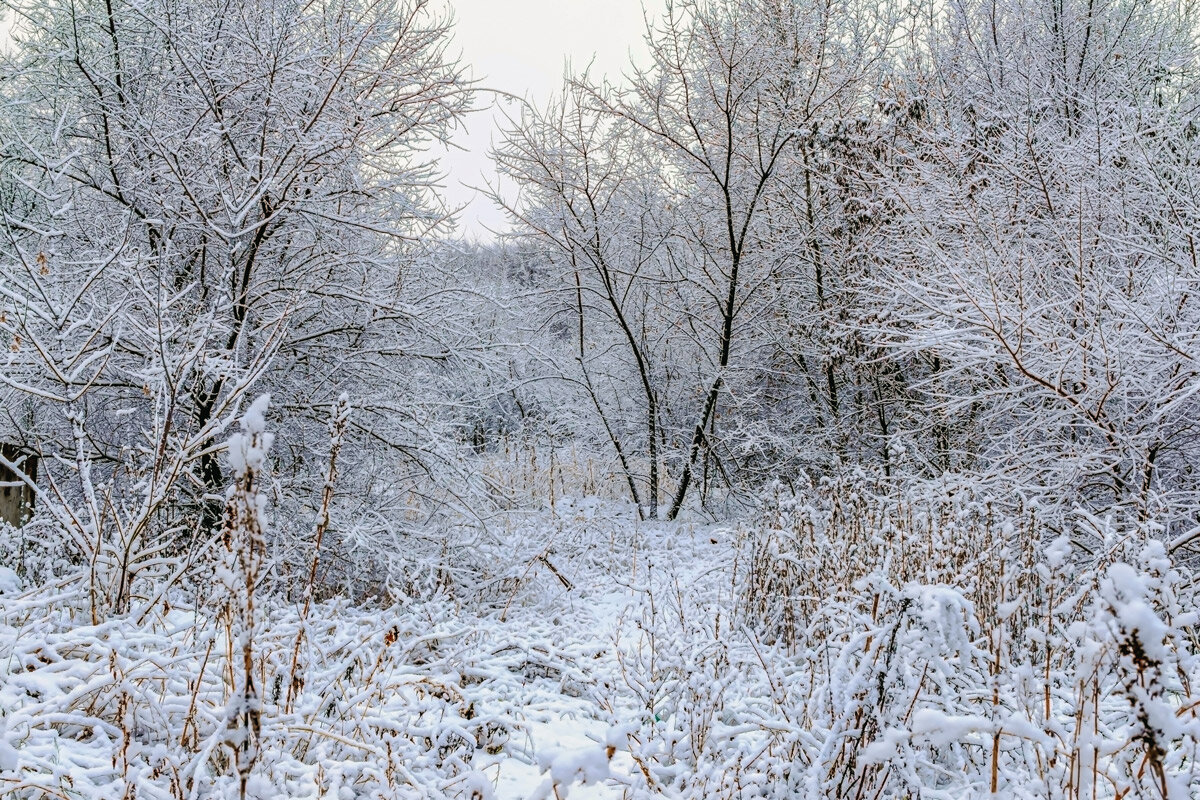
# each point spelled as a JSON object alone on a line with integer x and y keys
{"x": 595, "y": 657}
{"x": 532, "y": 682}
{"x": 569, "y": 648}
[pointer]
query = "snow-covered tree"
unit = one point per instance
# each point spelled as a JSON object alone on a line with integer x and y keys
{"x": 1044, "y": 264}
{"x": 199, "y": 198}
{"x": 654, "y": 200}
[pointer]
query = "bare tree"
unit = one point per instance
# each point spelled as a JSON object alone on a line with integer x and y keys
{"x": 675, "y": 171}
{"x": 592, "y": 195}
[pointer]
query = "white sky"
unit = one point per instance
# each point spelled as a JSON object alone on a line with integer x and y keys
{"x": 521, "y": 47}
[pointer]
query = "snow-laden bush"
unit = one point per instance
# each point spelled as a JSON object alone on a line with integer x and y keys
{"x": 383, "y": 707}
{"x": 232, "y": 691}
{"x": 931, "y": 645}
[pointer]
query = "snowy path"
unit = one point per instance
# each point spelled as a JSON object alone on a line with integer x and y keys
{"x": 564, "y": 662}
{"x": 538, "y": 696}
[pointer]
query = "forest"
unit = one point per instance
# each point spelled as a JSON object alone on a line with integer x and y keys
{"x": 826, "y": 423}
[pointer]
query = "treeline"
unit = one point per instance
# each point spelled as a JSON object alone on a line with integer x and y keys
{"x": 802, "y": 239}
{"x": 917, "y": 238}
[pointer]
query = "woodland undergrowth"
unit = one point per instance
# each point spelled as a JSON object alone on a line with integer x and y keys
{"x": 851, "y": 641}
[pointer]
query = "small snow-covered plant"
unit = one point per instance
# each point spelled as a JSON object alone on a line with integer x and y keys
{"x": 244, "y": 538}
{"x": 1157, "y": 741}
{"x": 337, "y": 435}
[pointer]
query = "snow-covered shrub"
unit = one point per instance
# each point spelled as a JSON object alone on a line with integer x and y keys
{"x": 386, "y": 706}
{"x": 928, "y": 644}
{"x": 228, "y": 692}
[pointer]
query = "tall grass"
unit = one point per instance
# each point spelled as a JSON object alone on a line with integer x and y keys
{"x": 927, "y": 644}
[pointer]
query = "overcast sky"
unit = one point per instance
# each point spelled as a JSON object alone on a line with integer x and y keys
{"x": 520, "y": 47}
